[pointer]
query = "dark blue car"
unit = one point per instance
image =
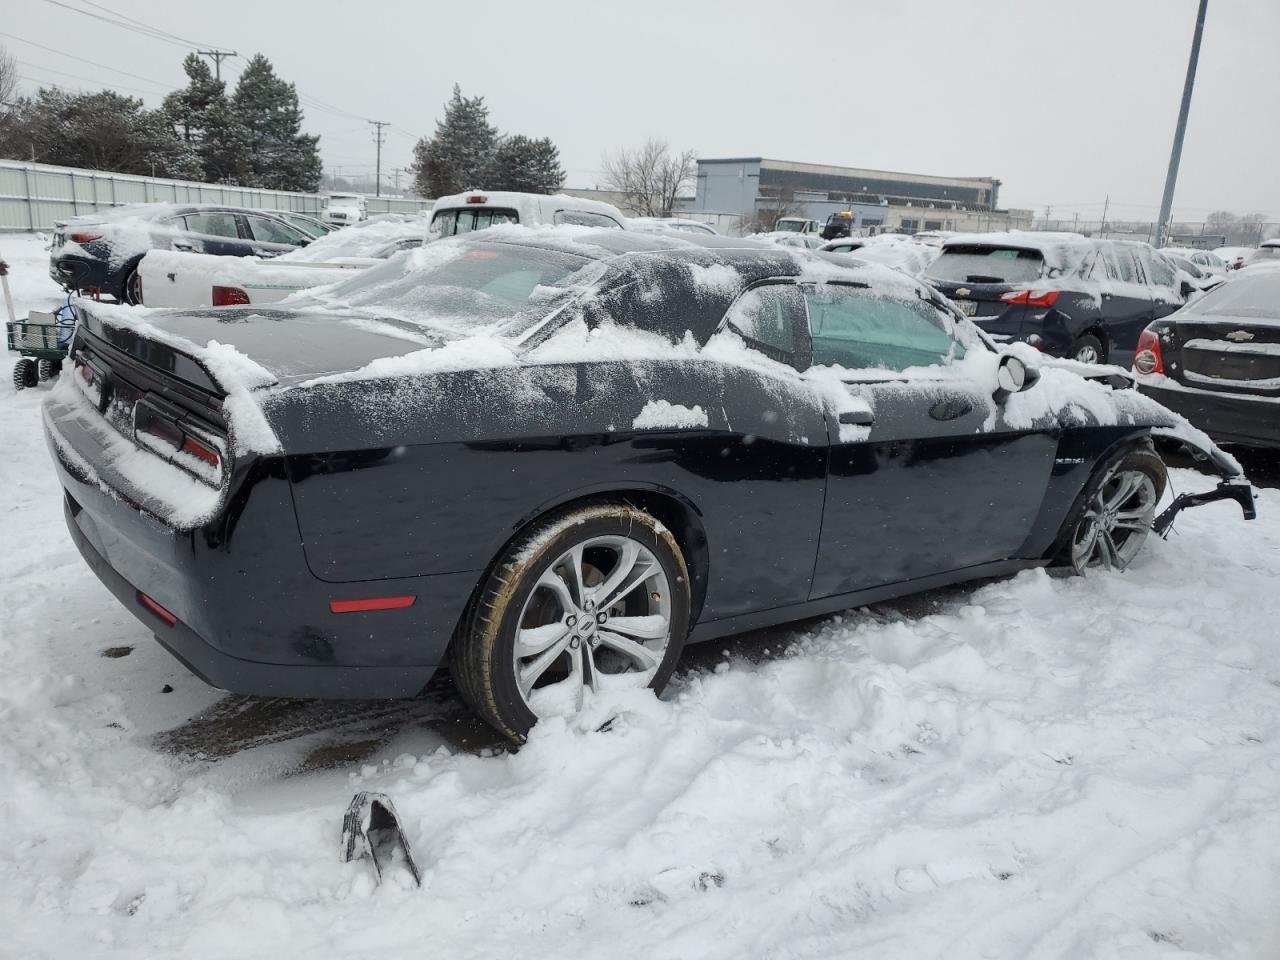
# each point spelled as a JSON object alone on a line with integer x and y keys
{"x": 99, "y": 252}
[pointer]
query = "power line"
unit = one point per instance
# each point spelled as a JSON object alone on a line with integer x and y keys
{"x": 217, "y": 56}
{"x": 75, "y": 76}
{"x": 92, "y": 63}
{"x": 153, "y": 34}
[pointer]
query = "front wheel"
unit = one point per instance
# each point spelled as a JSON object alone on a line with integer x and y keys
{"x": 596, "y": 598}
{"x": 1119, "y": 506}
{"x": 133, "y": 288}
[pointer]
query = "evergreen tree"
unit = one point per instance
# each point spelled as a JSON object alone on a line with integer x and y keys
{"x": 460, "y": 154}
{"x": 280, "y": 156}
{"x": 188, "y": 107}
{"x": 97, "y": 131}
{"x": 202, "y": 117}
{"x": 527, "y": 165}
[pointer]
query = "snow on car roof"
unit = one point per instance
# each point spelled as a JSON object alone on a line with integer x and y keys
{"x": 1065, "y": 251}
{"x": 361, "y": 240}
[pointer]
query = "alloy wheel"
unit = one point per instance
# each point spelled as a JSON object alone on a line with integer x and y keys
{"x": 1116, "y": 521}
{"x": 1087, "y": 353}
{"x": 599, "y": 611}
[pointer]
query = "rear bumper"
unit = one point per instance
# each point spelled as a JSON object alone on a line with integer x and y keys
{"x": 237, "y": 675}
{"x": 83, "y": 273}
{"x": 1226, "y": 417}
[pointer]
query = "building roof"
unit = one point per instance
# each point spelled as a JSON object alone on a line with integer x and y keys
{"x": 831, "y": 170}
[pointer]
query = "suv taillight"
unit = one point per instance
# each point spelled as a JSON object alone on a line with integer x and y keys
{"x": 84, "y": 237}
{"x": 1032, "y": 298}
{"x": 229, "y": 296}
{"x": 1148, "y": 359}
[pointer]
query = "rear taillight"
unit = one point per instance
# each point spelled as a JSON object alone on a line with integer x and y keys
{"x": 1032, "y": 298}
{"x": 229, "y": 296}
{"x": 163, "y": 430}
{"x": 89, "y": 380}
{"x": 1148, "y": 359}
{"x": 84, "y": 237}
{"x": 201, "y": 451}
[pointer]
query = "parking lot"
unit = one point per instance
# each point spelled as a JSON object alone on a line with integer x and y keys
{"x": 1026, "y": 766}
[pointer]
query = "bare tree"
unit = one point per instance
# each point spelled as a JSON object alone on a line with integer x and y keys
{"x": 649, "y": 177}
{"x": 770, "y": 210}
{"x": 8, "y": 78}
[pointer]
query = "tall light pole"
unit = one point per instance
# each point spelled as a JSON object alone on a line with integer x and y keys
{"x": 1171, "y": 180}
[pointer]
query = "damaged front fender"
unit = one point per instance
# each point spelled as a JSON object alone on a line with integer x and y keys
{"x": 1233, "y": 486}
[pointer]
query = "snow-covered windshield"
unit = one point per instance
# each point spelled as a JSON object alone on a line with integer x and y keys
{"x": 1252, "y": 294}
{"x": 462, "y": 289}
{"x": 790, "y": 226}
{"x": 980, "y": 264}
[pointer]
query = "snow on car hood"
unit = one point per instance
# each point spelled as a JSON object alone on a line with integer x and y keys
{"x": 362, "y": 240}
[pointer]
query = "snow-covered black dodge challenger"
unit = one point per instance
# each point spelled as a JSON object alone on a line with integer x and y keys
{"x": 550, "y": 458}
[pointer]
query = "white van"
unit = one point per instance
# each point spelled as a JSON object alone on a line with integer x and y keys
{"x": 477, "y": 209}
{"x": 344, "y": 209}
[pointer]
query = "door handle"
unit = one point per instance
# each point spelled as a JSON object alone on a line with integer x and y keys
{"x": 857, "y": 418}
{"x": 183, "y": 246}
{"x": 950, "y": 408}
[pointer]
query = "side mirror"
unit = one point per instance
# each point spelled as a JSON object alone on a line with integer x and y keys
{"x": 1013, "y": 376}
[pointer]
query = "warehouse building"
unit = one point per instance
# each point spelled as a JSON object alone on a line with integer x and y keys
{"x": 740, "y": 188}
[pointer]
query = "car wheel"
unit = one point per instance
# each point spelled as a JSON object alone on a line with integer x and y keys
{"x": 1088, "y": 349}
{"x": 25, "y": 374}
{"x": 595, "y": 598}
{"x": 1119, "y": 505}
{"x": 133, "y": 288}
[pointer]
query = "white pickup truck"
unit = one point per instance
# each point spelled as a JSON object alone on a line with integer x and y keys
{"x": 175, "y": 279}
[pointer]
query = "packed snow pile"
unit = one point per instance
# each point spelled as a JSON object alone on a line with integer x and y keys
{"x": 1036, "y": 767}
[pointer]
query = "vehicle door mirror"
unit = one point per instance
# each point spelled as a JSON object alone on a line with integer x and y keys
{"x": 1013, "y": 376}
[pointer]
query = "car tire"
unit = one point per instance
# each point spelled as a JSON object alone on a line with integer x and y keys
{"x": 536, "y": 637}
{"x": 1111, "y": 519}
{"x": 1090, "y": 347}
{"x": 25, "y": 374}
{"x": 132, "y": 288}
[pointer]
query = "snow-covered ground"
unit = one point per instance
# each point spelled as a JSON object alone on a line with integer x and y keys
{"x": 1037, "y": 767}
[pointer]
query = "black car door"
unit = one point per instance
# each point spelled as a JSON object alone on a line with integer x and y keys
{"x": 924, "y": 475}
{"x": 212, "y": 231}
{"x": 1126, "y": 302}
{"x": 1163, "y": 281}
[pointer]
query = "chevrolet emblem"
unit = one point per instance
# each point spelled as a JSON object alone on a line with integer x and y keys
{"x": 1239, "y": 336}
{"x": 963, "y": 292}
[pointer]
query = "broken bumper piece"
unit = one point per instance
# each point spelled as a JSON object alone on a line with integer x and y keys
{"x": 1238, "y": 490}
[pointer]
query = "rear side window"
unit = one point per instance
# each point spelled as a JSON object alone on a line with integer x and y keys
{"x": 1126, "y": 266}
{"x": 273, "y": 231}
{"x": 466, "y": 219}
{"x": 856, "y": 329}
{"x": 981, "y": 264}
{"x": 1162, "y": 273}
{"x": 213, "y": 224}
{"x": 770, "y": 319}
{"x": 583, "y": 218}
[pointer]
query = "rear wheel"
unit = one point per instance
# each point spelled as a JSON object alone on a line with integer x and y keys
{"x": 133, "y": 288}
{"x": 25, "y": 374}
{"x": 596, "y": 598}
{"x": 1088, "y": 349}
{"x": 1119, "y": 505}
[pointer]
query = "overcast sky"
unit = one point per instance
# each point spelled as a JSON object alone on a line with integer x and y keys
{"x": 1065, "y": 101}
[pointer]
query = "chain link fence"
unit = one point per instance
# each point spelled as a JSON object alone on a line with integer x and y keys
{"x": 33, "y": 196}
{"x": 1207, "y": 234}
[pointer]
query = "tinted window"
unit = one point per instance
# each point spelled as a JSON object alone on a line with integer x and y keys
{"x": 1162, "y": 274}
{"x": 212, "y": 224}
{"x": 273, "y": 231}
{"x": 854, "y": 328}
{"x": 479, "y": 285}
{"x": 582, "y": 218}
{"x": 1126, "y": 267}
{"x": 1251, "y": 294}
{"x": 981, "y": 264}
{"x": 768, "y": 318}
{"x": 310, "y": 227}
{"x": 463, "y": 220}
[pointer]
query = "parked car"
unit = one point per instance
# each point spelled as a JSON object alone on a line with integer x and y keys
{"x": 1217, "y": 360}
{"x": 1064, "y": 294}
{"x": 344, "y": 209}
{"x": 1208, "y": 261}
{"x": 1234, "y": 257}
{"x": 480, "y": 209}
{"x": 1268, "y": 252}
{"x": 172, "y": 279}
{"x": 100, "y": 252}
{"x": 652, "y": 224}
{"x": 1192, "y": 278}
{"x": 888, "y": 249}
{"x": 309, "y": 225}
{"x": 797, "y": 225}
{"x": 552, "y": 460}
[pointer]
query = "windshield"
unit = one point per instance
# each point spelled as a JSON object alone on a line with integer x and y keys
{"x": 467, "y": 288}
{"x": 1252, "y": 294}
{"x": 790, "y": 226}
{"x": 979, "y": 264}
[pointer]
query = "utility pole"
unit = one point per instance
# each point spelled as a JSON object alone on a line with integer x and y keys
{"x": 217, "y": 56}
{"x": 1175, "y": 157}
{"x": 378, "y": 137}
{"x": 1105, "y": 206}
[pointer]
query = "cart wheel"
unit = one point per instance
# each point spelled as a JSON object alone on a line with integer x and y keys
{"x": 47, "y": 369}
{"x": 25, "y": 374}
